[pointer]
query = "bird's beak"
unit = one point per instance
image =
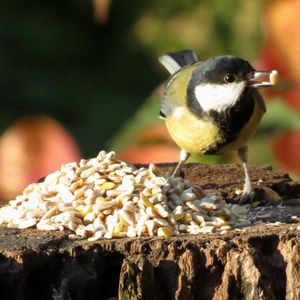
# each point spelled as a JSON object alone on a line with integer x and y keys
{"x": 271, "y": 76}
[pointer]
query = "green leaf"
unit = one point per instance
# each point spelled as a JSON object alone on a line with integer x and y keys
{"x": 280, "y": 117}
{"x": 146, "y": 115}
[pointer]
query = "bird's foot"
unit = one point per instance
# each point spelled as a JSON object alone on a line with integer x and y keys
{"x": 183, "y": 158}
{"x": 176, "y": 171}
{"x": 247, "y": 197}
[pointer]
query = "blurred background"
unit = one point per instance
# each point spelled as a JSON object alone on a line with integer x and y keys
{"x": 78, "y": 76}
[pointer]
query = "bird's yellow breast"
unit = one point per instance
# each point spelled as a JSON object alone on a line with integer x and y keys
{"x": 190, "y": 133}
{"x": 201, "y": 135}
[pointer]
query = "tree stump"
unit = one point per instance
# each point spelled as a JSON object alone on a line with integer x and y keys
{"x": 261, "y": 261}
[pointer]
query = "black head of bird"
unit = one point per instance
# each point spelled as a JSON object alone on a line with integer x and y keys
{"x": 213, "y": 106}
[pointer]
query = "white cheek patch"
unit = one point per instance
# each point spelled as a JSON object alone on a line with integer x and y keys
{"x": 218, "y": 97}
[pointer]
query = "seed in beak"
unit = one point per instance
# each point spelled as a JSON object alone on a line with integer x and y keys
{"x": 272, "y": 76}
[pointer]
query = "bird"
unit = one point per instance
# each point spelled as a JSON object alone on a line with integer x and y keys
{"x": 213, "y": 106}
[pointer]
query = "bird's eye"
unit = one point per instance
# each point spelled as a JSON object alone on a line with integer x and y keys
{"x": 229, "y": 78}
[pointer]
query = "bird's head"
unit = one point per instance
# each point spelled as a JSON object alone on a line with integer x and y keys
{"x": 219, "y": 82}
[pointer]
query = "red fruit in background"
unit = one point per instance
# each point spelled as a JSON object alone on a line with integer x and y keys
{"x": 153, "y": 144}
{"x": 281, "y": 51}
{"x": 269, "y": 60}
{"x": 30, "y": 149}
{"x": 287, "y": 151}
{"x": 150, "y": 154}
{"x": 282, "y": 29}
{"x": 154, "y": 133}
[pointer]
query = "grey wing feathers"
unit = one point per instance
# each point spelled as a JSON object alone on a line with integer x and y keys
{"x": 165, "y": 108}
{"x": 174, "y": 61}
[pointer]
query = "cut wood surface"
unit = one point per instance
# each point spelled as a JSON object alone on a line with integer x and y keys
{"x": 261, "y": 261}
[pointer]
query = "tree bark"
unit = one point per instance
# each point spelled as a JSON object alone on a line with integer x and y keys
{"x": 257, "y": 262}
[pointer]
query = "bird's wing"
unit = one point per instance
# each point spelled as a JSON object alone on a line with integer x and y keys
{"x": 174, "y": 95}
{"x": 174, "y": 61}
{"x": 166, "y": 108}
{"x": 176, "y": 91}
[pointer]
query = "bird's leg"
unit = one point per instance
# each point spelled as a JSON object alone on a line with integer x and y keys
{"x": 183, "y": 157}
{"x": 248, "y": 193}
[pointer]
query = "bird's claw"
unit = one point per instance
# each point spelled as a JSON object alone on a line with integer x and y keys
{"x": 247, "y": 197}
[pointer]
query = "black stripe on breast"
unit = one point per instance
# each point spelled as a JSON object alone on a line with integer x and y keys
{"x": 233, "y": 119}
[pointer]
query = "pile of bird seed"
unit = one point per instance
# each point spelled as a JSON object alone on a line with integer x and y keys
{"x": 106, "y": 198}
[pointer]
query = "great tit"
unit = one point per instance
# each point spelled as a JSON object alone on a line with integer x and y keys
{"x": 213, "y": 106}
